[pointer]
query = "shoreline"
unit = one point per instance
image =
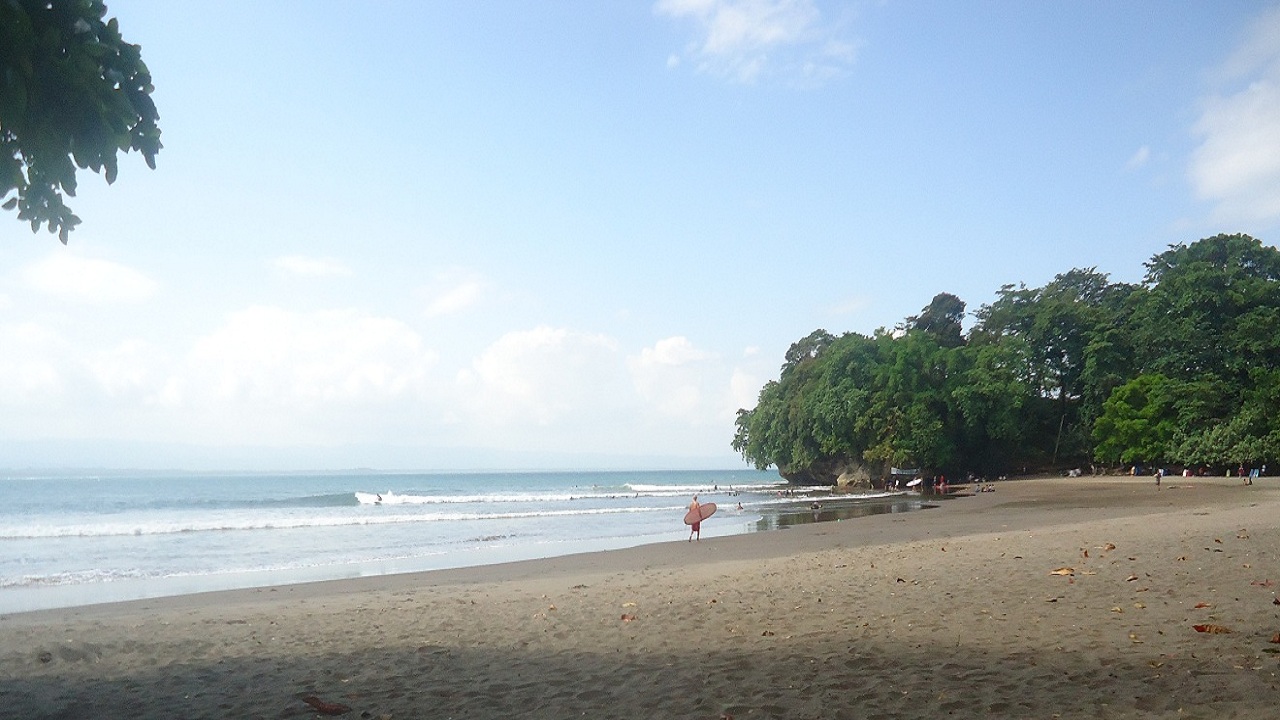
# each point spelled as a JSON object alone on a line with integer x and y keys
{"x": 761, "y": 516}
{"x": 951, "y": 609}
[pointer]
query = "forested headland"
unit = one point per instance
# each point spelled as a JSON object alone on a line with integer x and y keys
{"x": 1181, "y": 370}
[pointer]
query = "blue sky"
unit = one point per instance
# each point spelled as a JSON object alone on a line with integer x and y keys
{"x": 582, "y": 234}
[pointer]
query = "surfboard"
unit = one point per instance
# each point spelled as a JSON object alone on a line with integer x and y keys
{"x": 915, "y": 482}
{"x": 705, "y": 510}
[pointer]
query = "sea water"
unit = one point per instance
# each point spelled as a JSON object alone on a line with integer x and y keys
{"x": 78, "y": 538}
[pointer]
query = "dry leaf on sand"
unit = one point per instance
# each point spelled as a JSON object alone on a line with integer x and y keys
{"x": 628, "y": 617}
{"x": 326, "y": 708}
{"x": 1212, "y": 629}
{"x": 1202, "y": 605}
{"x": 1063, "y": 571}
{"x": 1275, "y": 638}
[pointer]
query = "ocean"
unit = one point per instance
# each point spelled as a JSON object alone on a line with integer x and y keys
{"x": 80, "y": 538}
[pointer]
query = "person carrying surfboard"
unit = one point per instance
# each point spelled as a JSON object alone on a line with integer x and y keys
{"x": 695, "y": 510}
{"x": 697, "y": 513}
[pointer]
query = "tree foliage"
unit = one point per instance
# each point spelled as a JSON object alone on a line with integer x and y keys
{"x": 1183, "y": 368}
{"x": 73, "y": 94}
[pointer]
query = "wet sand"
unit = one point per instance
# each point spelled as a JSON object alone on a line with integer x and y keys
{"x": 949, "y": 612}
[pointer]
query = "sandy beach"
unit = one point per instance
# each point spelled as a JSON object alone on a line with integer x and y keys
{"x": 1071, "y": 598}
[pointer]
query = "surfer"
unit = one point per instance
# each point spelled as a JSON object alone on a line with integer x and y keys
{"x": 696, "y": 525}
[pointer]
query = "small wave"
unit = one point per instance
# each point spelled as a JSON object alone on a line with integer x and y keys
{"x": 276, "y": 522}
{"x": 674, "y": 490}
{"x": 393, "y": 498}
{"x": 82, "y": 577}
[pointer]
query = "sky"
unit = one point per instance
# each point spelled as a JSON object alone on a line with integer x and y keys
{"x": 581, "y": 235}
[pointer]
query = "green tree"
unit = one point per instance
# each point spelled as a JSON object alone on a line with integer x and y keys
{"x": 1138, "y": 422}
{"x": 1073, "y": 329}
{"x": 1184, "y": 368}
{"x": 72, "y": 93}
{"x": 942, "y": 319}
{"x": 993, "y": 403}
{"x": 1210, "y": 307}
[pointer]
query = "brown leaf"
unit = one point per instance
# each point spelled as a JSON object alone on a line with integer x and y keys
{"x": 326, "y": 708}
{"x": 1218, "y": 540}
{"x": 1275, "y": 638}
{"x": 1084, "y": 552}
{"x": 1212, "y": 629}
{"x": 628, "y": 617}
{"x": 1131, "y": 578}
{"x": 1275, "y": 601}
{"x": 767, "y": 633}
{"x": 1202, "y": 605}
{"x": 1063, "y": 571}
{"x": 1109, "y": 546}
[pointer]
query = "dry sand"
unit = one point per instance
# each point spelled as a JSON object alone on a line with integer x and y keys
{"x": 949, "y": 612}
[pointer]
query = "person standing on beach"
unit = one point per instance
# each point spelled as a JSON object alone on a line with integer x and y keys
{"x": 696, "y": 527}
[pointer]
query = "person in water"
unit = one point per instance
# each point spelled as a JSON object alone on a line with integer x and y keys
{"x": 696, "y": 527}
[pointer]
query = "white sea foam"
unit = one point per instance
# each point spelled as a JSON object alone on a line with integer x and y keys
{"x": 245, "y": 530}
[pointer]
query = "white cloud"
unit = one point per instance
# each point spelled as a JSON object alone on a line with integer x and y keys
{"x": 454, "y": 292}
{"x": 557, "y": 389}
{"x": 266, "y": 376}
{"x": 311, "y": 266}
{"x": 1259, "y": 48}
{"x": 741, "y": 39}
{"x": 1138, "y": 159}
{"x": 270, "y": 357}
{"x": 133, "y": 369}
{"x": 542, "y": 377}
{"x": 88, "y": 280}
{"x": 31, "y": 372}
{"x": 672, "y": 377}
{"x": 668, "y": 377}
{"x": 744, "y": 389}
{"x": 1237, "y": 164}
